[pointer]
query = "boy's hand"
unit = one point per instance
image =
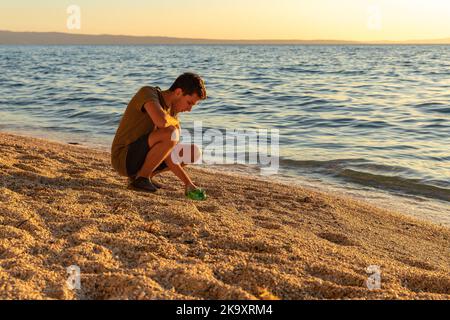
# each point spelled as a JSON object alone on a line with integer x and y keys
{"x": 172, "y": 121}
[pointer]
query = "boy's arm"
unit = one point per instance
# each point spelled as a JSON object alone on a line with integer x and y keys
{"x": 181, "y": 174}
{"x": 160, "y": 118}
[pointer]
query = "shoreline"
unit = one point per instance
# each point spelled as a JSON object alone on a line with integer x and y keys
{"x": 63, "y": 205}
{"x": 405, "y": 205}
{"x": 425, "y": 209}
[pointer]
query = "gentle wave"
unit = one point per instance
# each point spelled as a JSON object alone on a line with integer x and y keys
{"x": 357, "y": 171}
{"x": 395, "y": 183}
{"x": 434, "y": 107}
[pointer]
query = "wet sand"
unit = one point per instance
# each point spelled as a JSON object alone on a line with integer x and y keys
{"x": 63, "y": 205}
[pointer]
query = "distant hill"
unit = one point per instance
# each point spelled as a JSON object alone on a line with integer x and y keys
{"x": 58, "y": 38}
{"x": 432, "y": 41}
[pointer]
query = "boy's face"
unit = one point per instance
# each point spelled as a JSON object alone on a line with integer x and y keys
{"x": 183, "y": 103}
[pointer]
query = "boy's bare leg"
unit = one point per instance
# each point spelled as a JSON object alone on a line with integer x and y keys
{"x": 177, "y": 169}
{"x": 161, "y": 143}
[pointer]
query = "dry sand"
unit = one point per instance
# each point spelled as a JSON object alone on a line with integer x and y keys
{"x": 62, "y": 205}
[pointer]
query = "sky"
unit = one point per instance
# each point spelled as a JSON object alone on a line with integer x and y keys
{"x": 356, "y": 20}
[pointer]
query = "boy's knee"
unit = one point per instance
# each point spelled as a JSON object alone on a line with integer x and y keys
{"x": 173, "y": 134}
{"x": 169, "y": 135}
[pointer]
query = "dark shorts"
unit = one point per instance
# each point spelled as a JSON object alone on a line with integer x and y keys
{"x": 137, "y": 152}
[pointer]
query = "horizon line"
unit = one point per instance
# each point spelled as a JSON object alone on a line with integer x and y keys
{"x": 446, "y": 40}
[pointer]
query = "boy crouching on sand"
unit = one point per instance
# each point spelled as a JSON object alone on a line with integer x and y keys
{"x": 146, "y": 142}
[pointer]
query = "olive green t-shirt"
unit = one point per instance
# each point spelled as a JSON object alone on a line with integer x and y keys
{"x": 135, "y": 123}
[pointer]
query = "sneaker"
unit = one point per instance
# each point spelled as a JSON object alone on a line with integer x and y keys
{"x": 143, "y": 184}
{"x": 156, "y": 184}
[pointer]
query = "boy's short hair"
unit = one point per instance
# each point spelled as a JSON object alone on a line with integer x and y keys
{"x": 190, "y": 83}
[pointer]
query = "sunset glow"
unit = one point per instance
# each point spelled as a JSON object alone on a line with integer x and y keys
{"x": 360, "y": 20}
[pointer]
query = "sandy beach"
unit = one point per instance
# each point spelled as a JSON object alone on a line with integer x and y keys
{"x": 63, "y": 205}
